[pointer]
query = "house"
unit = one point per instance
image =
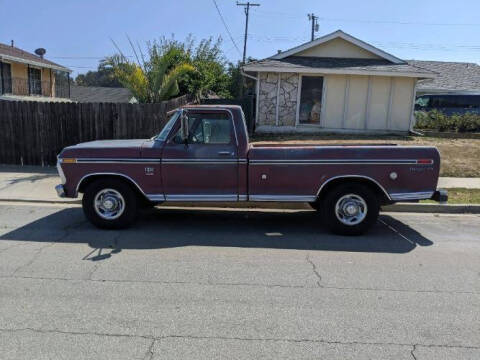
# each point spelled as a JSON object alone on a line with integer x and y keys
{"x": 96, "y": 94}
{"x": 26, "y": 76}
{"x": 453, "y": 78}
{"x": 335, "y": 83}
{"x": 455, "y": 90}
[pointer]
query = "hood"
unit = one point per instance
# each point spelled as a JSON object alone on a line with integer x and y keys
{"x": 105, "y": 149}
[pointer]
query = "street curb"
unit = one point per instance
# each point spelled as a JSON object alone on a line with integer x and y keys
{"x": 401, "y": 207}
{"x": 434, "y": 208}
{"x": 57, "y": 202}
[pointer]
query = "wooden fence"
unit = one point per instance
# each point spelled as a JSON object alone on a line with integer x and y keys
{"x": 33, "y": 133}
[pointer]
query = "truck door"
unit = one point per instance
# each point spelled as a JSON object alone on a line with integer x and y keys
{"x": 205, "y": 169}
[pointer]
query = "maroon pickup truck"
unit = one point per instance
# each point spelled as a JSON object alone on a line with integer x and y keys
{"x": 203, "y": 154}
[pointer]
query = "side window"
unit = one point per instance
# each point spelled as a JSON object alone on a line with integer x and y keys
{"x": 214, "y": 128}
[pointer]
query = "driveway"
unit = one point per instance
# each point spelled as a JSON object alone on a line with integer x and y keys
{"x": 204, "y": 284}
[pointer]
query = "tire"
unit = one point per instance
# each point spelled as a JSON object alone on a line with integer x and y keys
{"x": 350, "y": 197}
{"x": 118, "y": 209}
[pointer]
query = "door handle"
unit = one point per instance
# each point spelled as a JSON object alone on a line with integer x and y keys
{"x": 226, "y": 153}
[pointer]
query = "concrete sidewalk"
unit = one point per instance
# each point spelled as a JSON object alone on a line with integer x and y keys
{"x": 37, "y": 184}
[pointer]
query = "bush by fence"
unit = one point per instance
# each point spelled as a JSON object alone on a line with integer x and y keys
{"x": 33, "y": 133}
{"x": 436, "y": 120}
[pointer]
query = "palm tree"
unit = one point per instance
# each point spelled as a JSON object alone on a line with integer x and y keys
{"x": 153, "y": 81}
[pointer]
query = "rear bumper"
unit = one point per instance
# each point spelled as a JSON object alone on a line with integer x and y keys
{"x": 441, "y": 195}
{"x": 60, "y": 191}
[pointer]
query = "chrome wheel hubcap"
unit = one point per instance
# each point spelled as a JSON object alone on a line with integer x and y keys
{"x": 351, "y": 209}
{"x": 109, "y": 204}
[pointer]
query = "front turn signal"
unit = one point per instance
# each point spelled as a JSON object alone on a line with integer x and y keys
{"x": 69, "y": 160}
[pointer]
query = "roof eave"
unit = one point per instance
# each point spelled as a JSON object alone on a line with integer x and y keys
{"x": 34, "y": 63}
{"x": 419, "y": 75}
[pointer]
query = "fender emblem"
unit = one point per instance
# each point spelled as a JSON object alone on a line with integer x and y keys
{"x": 149, "y": 171}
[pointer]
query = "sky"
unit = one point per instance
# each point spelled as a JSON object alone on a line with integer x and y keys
{"x": 78, "y": 33}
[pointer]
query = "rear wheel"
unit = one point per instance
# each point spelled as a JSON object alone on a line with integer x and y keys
{"x": 110, "y": 204}
{"x": 350, "y": 209}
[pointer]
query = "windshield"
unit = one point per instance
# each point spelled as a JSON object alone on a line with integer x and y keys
{"x": 166, "y": 130}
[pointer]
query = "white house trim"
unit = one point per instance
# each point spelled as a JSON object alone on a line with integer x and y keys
{"x": 33, "y": 63}
{"x": 344, "y": 36}
{"x": 278, "y": 100}
{"x": 299, "y": 91}
{"x": 306, "y": 70}
{"x": 345, "y": 101}
{"x": 390, "y": 102}
{"x": 369, "y": 100}
{"x": 412, "y": 111}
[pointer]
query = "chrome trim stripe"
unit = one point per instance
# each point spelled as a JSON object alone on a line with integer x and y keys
{"x": 154, "y": 197}
{"x": 283, "y": 198}
{"x": 337, "y": 162}
{"x": 188, "y": 197}
{"x": 199, "y": 161}
{"x": 242, "y": 197}
{"x": 117, "y": 161}
{"x": 355, "y": 176}
{"x": 412, "y": 196}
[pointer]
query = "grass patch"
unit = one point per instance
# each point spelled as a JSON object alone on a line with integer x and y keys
{"x": 461, "y": 196}
{"x": 460, "y": 157}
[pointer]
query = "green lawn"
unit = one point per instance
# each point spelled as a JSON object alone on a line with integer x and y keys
{"x": 461, "y": 196}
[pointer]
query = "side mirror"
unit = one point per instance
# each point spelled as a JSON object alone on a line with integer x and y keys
{"x": 184, "y": 126}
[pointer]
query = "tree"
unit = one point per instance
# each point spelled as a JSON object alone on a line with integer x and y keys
{"x": 104, "y": 76}
{"x": 153, "y": 81}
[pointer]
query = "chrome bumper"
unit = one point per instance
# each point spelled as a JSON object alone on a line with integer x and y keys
{"x": 441, "y": 195}
{"x": 60, "y": 190}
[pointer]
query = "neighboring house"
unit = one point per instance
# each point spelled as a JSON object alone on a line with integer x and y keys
{"x": 26, "y": 76}
{"x": 456, "y": 89}
{"x": 335, "y": 83}
{"x": 94, "y": 94}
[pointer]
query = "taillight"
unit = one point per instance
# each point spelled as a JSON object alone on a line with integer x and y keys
{"x": 425, "y": 161}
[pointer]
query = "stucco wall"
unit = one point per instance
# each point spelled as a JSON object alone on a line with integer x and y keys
{"x": 20, "y": 80}
{"x": 350, "y": 102}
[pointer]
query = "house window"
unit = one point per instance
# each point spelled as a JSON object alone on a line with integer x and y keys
{"x": 35, "y": 81}
{"x": 5, "y": 78}
{"x": 311, "y": 100}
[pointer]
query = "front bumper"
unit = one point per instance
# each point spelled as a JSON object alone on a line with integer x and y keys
{"x": 60, "y": 190}
{"x": 441, "y": 195}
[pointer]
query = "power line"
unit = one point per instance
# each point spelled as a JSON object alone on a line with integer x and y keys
{"x": 397, "y": 22}
{"x": 226, "y": 27}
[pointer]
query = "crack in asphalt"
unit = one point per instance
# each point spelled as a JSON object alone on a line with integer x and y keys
{"x": 414, "y": 347}
{"x": 315, "y": 270}
{"x": 197, "y": 337}
{"x": 150, "y": 351}
{"x": 34, "y": 257}
{"x": 239, "y": 284}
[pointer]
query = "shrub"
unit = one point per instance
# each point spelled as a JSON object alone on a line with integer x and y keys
{"x": 436, "y": 120}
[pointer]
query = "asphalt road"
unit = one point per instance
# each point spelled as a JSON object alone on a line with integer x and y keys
{"x": 203, "y": 284}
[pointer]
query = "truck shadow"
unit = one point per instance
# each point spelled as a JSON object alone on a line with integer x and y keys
{"x": 168, "y": 228}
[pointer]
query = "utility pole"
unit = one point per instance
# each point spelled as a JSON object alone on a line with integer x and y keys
{"x": 314, "y": 20}
{"x": 246, "y": 7}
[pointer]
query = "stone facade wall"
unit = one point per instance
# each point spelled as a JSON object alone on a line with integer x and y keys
{"x": 287, "y": 99}
{"x": 267, "y": 98}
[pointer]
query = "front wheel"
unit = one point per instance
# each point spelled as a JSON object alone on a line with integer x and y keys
{"x": 110, "y": 204}
{"x": 350, "y": 209}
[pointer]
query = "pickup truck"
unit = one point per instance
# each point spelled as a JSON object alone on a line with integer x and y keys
{"x": 203, "y": 154}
